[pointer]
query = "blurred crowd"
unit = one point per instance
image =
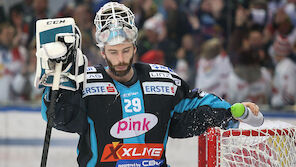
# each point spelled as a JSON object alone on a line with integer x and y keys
{"x": 238, "y": 49}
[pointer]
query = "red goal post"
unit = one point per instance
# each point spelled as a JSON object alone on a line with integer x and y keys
{"x": 247, "y": 147}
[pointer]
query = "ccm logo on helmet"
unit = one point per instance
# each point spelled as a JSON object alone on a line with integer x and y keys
{"x": 133, "y": 126}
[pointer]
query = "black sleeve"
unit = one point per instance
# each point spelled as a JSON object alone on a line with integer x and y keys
{"x": 197, "y": 121}
{"x": 196, "y": 111}
{"x": 70, "y": 112}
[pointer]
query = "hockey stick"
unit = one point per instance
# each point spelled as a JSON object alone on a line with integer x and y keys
{"x": 47, "y": 32}
{"x": 50, "y": 112}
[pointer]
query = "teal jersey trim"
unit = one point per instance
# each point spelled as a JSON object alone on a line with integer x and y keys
{"x": 132, "y": 104}
{"x": 208, "y": 100}
{"x": 166, "y": 135}
{"x": 43, "y": 106}
{"x": 93, "y": 142}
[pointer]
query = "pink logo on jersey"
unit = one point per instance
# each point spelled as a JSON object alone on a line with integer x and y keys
{"x": 133, "y": 126}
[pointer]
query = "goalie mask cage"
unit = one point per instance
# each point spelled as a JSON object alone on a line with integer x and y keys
{"x": 247, "y": 148}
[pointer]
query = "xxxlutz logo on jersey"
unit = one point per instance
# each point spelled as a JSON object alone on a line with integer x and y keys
{"x": 133, "y": 126}
{"x": 119, "y": 151}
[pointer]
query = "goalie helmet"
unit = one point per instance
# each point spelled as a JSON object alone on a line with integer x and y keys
{"x": 115, "y": 23}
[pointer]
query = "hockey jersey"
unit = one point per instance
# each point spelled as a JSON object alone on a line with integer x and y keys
{"x": 122, "y": 125}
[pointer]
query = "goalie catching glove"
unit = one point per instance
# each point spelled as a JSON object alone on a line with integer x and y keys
{"x": 64, "y": 46}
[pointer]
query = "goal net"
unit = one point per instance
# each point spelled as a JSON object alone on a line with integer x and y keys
{"x": 248, "y": 147}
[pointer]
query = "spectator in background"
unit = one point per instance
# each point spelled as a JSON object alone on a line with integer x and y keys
{"x": 16, "y": 14}
{"x": 248, "y": 33}
{"x": 283, "y": 26}
{"x": 2, "y": 14}
{"x": 154, "y": 36}
{"x": 27, "y": 7}
{"x": 40, "y": 11}
{"x": 6, "y": 36}
{"x": 212, "y": 19}
{"x": 30, "y": 70}
{"x": 40, "y": 8}
{"x": 249, "y": 81}
{"x": 83, "y": 18}
{"x": 177, "y": 23}
{"x": 143, "y": 10}
{"x": 235, "y": 41}
{"x": 293, "y": 57}
{"x": 257, "y": 14}
{"x": 185, "y": 66}
{"x": 213, "y": 68}
{"x": 153, "y": 57}
{"x": 66, "y": 10}
{"x": 290, "y": 10}
{"x": 24, "y": 10}
{"x": 284, "y": 32}
{"x": 284, "y": 80}
{"x": 255, "y": 42}
{"x": 12, "y": 60}
{"x": 23, "y": 82}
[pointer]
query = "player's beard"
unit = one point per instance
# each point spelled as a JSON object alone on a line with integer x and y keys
{"x": 120, "y": 73}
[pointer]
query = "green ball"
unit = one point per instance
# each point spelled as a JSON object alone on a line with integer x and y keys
{"x": 237, "y": 110}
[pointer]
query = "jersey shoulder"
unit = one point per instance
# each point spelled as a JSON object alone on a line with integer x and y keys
{"x": 96, "y": 73}
{"x": 144, "y": 67}
{"x": 156, "y": 72}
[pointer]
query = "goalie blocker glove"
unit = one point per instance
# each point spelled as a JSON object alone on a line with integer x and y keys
{"x": 64, "y": 47}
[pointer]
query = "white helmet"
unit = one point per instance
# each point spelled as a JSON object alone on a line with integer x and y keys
{"x": 115, "y": 23}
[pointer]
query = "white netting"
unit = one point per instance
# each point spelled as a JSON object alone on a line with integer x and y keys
{"x": 257, "y": 147}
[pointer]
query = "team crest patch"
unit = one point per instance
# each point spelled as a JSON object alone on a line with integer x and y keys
{"x": 159, "y": 88}
{"x": 99, "y": 88}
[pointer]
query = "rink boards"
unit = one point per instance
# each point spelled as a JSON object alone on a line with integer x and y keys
{"x": 22, "y": 131}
